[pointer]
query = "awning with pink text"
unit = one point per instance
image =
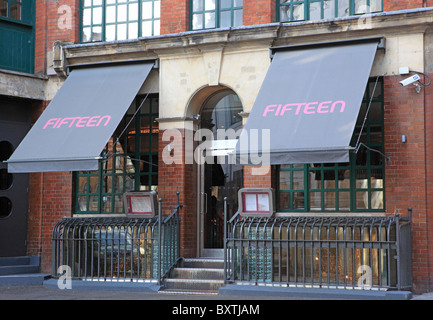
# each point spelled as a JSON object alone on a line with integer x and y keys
{"x": 307, "y": 107}
{"x": 77, "y": 124}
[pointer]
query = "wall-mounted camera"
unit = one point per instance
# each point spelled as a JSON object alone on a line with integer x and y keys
{"x": 410, "y": 80}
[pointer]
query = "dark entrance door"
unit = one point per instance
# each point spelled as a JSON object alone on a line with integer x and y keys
{"x": 13, "y": 187}
{"x": 220, "y": 182}
{"x": 217, "y": 177}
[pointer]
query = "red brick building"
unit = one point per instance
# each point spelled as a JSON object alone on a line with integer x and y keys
{"x": 203, "y": 51}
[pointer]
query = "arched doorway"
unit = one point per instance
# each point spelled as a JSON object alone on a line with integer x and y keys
{"x": 218, "y": 177}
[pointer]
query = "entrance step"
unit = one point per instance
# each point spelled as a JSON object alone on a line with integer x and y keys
{"x": 23, "y": 270}
{"x": 203, "y": 263}
{"x": 19, "y": 265}
{"x": 196, "y": 276}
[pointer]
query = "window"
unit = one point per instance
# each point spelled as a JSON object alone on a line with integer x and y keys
{"x": 297, "y": 10}
{"x": 341, "y": 187}
{"x": 209, "y": 14}
{"x": 132, "y": 163}
{"x": 10, "y": 9}
{"x": 109, "y": 20}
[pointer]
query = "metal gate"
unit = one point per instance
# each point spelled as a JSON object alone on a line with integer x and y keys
{"x": 320, "y": 252}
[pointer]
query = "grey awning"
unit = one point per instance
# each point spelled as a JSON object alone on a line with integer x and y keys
{"x": 309, "y": 102}
{"x": 75, "y": 127}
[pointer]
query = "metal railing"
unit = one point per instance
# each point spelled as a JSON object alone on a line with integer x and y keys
{"x": 320, "y": 252}
{"x": 118, "y": 248}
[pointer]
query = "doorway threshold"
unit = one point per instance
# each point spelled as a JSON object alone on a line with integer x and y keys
{"x": 213, "y": 253}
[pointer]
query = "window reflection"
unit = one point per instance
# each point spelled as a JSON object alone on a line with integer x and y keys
{"x": 354, "y": 186}
{"x": 122, "y": 19}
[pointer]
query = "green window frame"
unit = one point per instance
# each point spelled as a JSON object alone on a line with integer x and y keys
{"x": 299, "y": 10}
{"x": 11, "y": 9}
{"x": 110, "y": 20}
{"x": 132, "y": 163}
{"x": 17, "y": 35}
{"x": 356, "y": 186}
{"x": 210, "y": 14}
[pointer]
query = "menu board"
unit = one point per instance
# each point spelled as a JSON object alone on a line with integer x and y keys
{"x": 256, "y": 202}
{"x": 140, "y": 204}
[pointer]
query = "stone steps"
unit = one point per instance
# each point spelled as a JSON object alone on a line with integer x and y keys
{"x": 196, "y": 276}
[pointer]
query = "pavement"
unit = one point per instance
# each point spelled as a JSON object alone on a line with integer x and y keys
{"x": 48, "y": 292}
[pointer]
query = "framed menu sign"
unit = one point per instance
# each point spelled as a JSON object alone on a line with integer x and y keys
{"x": 255, "y": 202}
{"x": 140, "y": 204}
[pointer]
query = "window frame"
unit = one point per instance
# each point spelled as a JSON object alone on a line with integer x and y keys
{"x": 103, "y": 24}
{"x": 95, "y": 200}
{"x": 217, "y": 11}
{"x": 350, "y": 171}
{"x": 307, "y": 14}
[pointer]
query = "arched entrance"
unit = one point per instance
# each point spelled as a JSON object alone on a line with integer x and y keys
{"x": 217, "y": 176}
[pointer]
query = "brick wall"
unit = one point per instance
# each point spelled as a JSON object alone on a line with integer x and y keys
{"x": 55, "y": 20}
{"x": 259, "y": 11}
{"x": 174, "y": 16}
{"x": 392, "y": 5}
{"x": 409, "y": 171}
{"x": 182, "y": 178}
{"x": 50, "y": 199}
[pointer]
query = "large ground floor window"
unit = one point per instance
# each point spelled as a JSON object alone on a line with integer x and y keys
{"x": 131, "y": 162}
{"x": 342, "y": 187}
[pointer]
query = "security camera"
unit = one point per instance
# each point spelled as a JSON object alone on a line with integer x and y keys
{"x": 410, "y": 80}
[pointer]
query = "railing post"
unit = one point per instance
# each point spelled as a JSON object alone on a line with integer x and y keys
{"x": 397, "y": 240}
{"x": 177, "y": 224}
{"x": 225, "y": 240}
{"x": 159, "y": 239}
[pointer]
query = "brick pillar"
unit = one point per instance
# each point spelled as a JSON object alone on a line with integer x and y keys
{"x": 55, "y": 20}
{"x": 174, "y": 16}
{"x": 259, "y": 11}
{"x": 50, "y": 199}
{"x": 257, "y": 177}
{"x": 407, "y": 175}
{"x": 180, "y": 176}
{"x": 393, "y": 5}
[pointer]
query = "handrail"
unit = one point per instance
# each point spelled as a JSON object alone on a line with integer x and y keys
{"x": 173, "y": 216}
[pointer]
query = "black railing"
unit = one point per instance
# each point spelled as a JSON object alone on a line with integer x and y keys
{"x": 118, "y": 248}
{"x": 332, "y": 252}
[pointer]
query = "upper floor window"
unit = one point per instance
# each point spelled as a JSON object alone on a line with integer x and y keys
{"x": 10, "y": 9}
{"x": 109, "y": 20}
{"x": 297, "y": 10}
{"x": 209, "y": 14}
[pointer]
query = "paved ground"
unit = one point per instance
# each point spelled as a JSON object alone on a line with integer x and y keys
{"x": 41, "y": 292}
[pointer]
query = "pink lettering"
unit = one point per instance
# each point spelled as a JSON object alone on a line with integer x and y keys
{"x": 286, "y": 108}
{"x": 343, "y": 105}
{"x": 106, "y": 122}
{"x": 92, "y": 121}
{"x": 51, "y": 121}
{"x": 65, "y": 121}
{"x": 323, "y": 108}
{"x": 78, "y": 122}
{"x": 268, "y": 108}
{"x": 81, "y": 123}
{"x": 310, "y": 110}
{"x": 72, "y": 122}
{"x": 298, "y": 108}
